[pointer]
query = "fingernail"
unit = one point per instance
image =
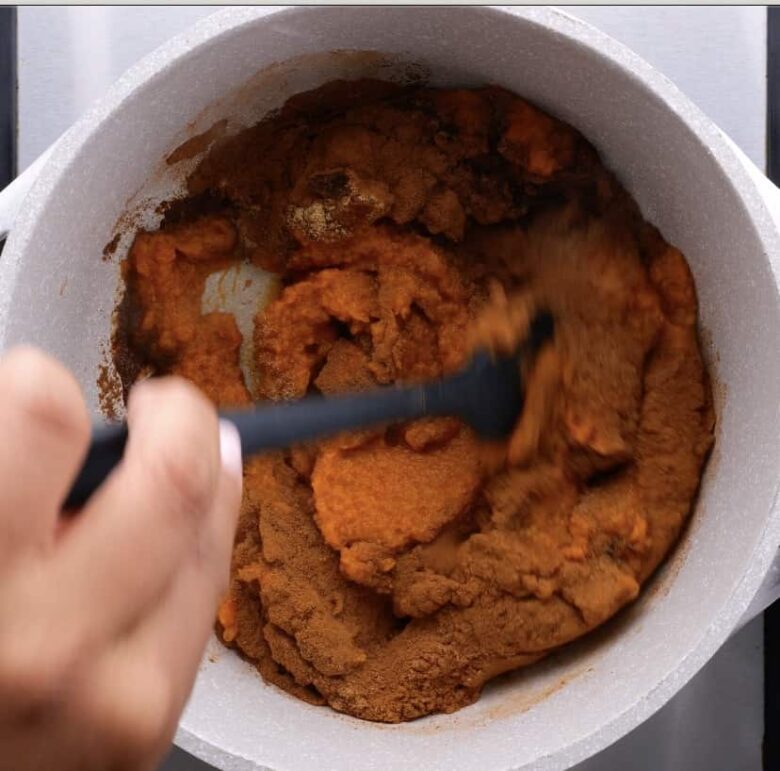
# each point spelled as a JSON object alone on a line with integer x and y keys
{"x": 230, "y": 448}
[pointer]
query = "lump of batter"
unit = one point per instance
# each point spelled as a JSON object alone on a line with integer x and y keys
{"x": 165, "y": 275}
{"x": 390, "y": 573}
{"x": 376, "y": 499}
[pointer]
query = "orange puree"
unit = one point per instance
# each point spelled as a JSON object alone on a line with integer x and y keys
{"x": 391, "y": 572}
{"x": 379, "y": 498}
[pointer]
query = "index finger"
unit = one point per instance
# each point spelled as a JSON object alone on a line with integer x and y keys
{"x": 132, "y": 537}
{"x": 45, "y": 434}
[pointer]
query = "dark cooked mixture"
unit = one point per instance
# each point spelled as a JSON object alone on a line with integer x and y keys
{"x": 390, "y": 573}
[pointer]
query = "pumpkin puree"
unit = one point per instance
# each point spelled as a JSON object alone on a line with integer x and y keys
{"x": 391, "y": 572}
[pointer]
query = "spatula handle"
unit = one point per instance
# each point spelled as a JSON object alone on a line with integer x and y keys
{"x": 105, "y": 451}
{"x": 281, "y": 424}
{"x": 269, "y": 427}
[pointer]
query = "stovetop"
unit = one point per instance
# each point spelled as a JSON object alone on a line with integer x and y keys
{"x": 67, "y": 56}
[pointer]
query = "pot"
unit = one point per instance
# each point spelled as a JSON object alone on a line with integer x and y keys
{"x": 106, "y": 174}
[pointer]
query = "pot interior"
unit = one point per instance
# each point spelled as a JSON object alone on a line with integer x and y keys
{"x": 236, "y": 67}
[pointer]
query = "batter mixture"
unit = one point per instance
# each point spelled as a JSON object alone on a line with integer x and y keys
{"x": 391, "y": 573}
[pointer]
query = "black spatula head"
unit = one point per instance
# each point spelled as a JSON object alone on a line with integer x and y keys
{"x": 489, "y": 393}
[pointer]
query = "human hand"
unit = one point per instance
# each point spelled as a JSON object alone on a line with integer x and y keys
{"x": 104, "y": 615}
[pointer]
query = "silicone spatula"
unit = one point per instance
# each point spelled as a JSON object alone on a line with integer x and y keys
{"x": 487, "y": 394}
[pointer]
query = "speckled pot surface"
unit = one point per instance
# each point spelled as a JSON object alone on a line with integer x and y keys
{"x": 56, "y": 291}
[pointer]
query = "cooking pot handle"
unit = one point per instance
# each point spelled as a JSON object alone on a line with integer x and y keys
{"x": 766, "y": 595}
{"x": 12, "y": 196}
{"x": 769, "y": 591}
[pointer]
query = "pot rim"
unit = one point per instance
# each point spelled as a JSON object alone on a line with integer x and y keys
{"x": 609, "y": 51}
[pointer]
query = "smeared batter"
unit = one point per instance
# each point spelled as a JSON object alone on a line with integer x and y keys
{"x": 390, "y": 573}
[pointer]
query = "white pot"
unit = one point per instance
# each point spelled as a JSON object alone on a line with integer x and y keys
{"x": 689, "y": 180}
